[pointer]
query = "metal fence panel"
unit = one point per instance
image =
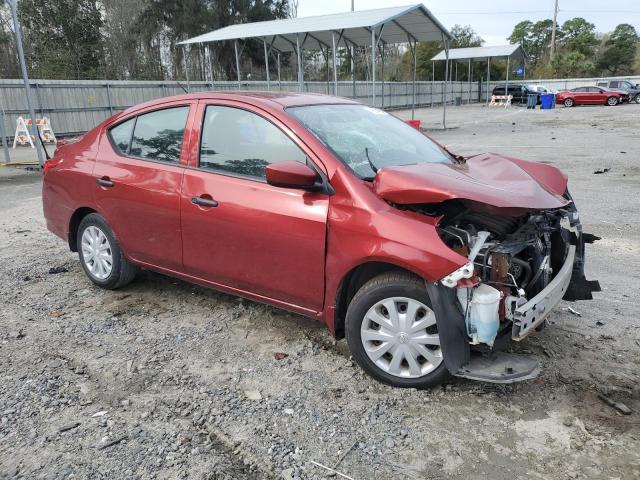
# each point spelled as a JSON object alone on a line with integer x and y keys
{"x": 77, "y": 106}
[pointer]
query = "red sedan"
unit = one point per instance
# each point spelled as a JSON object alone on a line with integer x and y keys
{"x": 589, "y": 96}
{"x": 423, "y": 259}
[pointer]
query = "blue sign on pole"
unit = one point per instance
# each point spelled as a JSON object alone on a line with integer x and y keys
{"x": 519, "y": 71}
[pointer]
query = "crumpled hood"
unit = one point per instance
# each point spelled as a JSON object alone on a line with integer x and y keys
{"x": 488, "y": 178}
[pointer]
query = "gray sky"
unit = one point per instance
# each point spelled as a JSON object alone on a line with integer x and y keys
{"x": 494, "y": 20}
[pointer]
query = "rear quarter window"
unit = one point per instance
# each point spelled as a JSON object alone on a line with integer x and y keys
{"x": 121, "y": 136}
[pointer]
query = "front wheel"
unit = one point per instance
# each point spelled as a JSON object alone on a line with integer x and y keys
{"x": 568, "y": 102}
{"x": 637, "y": 98}
{"x": 392, "y": 332}
{"x": 101, "y": 256}
{"x": 612, "y": 101}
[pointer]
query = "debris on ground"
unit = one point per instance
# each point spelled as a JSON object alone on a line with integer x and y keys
{"x": 70, "y": 426}
{"x": 574, "y": 311}
{"x": 280, "y": 355}
{"x": 111, "y": 443}
{"x": 600, "y": 171}
{"x": 621, "y": 407}
{"x": 335, "y": 472}
{"x": 55, "y": 270}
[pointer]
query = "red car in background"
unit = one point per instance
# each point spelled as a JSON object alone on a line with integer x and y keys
{"x": 428, "y": 262}
{"x": 590, "y": 96}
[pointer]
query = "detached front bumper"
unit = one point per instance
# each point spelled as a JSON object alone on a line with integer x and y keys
{"x": 531, "y": 315}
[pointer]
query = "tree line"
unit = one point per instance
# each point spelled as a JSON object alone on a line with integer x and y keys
{"x": 125, "y": 40}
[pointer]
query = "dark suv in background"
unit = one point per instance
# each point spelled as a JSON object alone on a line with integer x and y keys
{"x": 519, "y": 92}
{"x": 632, "y": 90}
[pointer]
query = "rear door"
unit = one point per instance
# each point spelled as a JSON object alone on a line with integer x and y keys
{"x": 240, "y": 232}
{"x": 581, "y": 96}
{"x": 138, "y": 179}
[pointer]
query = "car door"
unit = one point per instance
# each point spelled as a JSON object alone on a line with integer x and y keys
{"x": 138, "y": 180}
{"x": 597, "y": 96}
{"x": 240, "y": 232}
{"x": 581, "y": 96}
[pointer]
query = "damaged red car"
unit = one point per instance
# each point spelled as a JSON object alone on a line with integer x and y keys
{"x": 429, "y": 263}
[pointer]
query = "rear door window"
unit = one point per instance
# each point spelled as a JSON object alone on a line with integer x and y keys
{"x": 158, "y": 135}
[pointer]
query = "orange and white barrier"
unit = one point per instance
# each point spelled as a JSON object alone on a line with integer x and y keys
{"x": 24, "y": 137}
{"x": 500, "y": 101}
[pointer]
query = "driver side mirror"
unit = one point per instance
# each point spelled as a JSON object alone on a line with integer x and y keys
{"x": 291, "y": 174}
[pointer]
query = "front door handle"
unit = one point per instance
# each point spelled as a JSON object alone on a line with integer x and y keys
{"x": 204, "y": 202}
{"x": 104, "y": 182}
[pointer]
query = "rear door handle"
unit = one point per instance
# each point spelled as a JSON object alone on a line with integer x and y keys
{"x": 204, "y": 202}
{"x": 104, "y": 182}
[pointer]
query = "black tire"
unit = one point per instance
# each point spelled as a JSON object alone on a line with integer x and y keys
{"x": 386, "y": 285}
{"x": 122, "y": 271}
{"x": 569, "y": 102}
{"x": 612, "y": 101}
{"x": 637, "y": 98}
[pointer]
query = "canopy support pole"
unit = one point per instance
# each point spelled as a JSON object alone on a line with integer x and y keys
{"x": 373, "y": 67}
{"x": 25, "y": 78}
{"x": 298, "y": 53}
{"x": 446, "y": 76}
{"x": 266, "y": 63}
{"x": 414, "y": 47}
{"x": 506, "y": 85}
{"x": 469, "y": 80}
{"x": 353, "y": 70}
{"x": 433, "y": 79}
{"x": 326, "y": 62}
{"x": 335, "y": 71}
{"x": 382, "y": 71}
{"x": 235, "y": 48}
{"x": 279, "y": 81}
{"x": 488, "y": 77}
{"x": 186, "y": 67}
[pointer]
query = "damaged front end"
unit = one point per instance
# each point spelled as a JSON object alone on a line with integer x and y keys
{"x": 521, "y": 263}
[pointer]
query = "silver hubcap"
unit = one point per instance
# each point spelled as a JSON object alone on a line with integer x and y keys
{"x": 96, "y": 252}
{"x": 400, "y": 336}
{"x": 612, "y": 101}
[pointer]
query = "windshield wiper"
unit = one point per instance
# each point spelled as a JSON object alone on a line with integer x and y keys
{"x": 371, "y": 164}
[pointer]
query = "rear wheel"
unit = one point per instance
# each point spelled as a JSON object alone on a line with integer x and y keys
{"x": 568, "y": 102}
{"x": 101, "y": 256}
{"x": 612, "y": 101}
{"x": 392, "y": 332}
{"x": 637, "y": 98}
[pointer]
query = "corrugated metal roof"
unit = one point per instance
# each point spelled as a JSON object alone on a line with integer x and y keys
{"x": 481, "y": 53}
{"x": 399, "y": 22}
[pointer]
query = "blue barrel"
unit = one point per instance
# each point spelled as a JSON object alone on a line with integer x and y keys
{"x": 547, "y": 100}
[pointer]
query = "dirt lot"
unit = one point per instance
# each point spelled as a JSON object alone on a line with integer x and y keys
{"x": 167, "y": 380}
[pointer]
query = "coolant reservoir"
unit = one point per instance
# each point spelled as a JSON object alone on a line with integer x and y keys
{"x": 483, "y": 319}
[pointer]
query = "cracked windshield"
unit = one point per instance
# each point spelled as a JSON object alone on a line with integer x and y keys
{"x": 367, "y": 139}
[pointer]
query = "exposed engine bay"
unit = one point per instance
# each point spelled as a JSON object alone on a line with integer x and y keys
{"x": 520, "y": 266}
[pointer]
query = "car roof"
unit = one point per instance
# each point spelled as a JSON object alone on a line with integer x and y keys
{"x": 279, "y": 100}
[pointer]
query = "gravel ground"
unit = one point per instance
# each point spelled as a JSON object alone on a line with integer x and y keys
{"x": 167, "y": 380}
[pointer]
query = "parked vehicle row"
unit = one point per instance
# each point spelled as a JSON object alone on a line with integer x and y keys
{"x": 606, "y": 93}
{"x": 426, "y": 261}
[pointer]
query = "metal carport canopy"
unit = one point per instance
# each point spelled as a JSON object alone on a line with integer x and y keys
{"x": 401, "y": 25}
{"x": 482, "y": 53}
{"x": 375, "y": 28}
